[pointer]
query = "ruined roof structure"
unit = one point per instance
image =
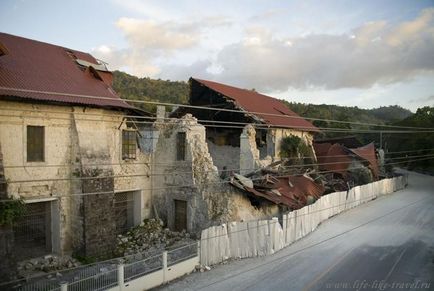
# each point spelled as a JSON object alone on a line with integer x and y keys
{"x": 337, "y": 158}
{"x": 261, "y": 108}
{"x": 60, "y": 75}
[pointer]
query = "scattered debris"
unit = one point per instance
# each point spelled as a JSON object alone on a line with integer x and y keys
{"x": 46, "y": 264}
{"x": 293, "y": 192}
{"x": 149, "y": 238}
{"x": 200, "y": 268}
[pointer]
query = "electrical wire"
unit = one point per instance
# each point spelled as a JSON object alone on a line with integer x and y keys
{"x": 203, "y": 108}
{"x": 127, "y": 164}
{"x": 257, "y": 125}
{"x": 186, "y": 172}
{"x": 71, "y": 195}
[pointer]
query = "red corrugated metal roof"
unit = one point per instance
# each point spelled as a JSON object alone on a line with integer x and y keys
{"x": 33, "y": 65}
{"x": 337, "y": 158}
{"x": 367, "y": 152}
{"x": 251, "y": 101}
{"x": 333, "y": 157}
{"x": 293, "y": 189}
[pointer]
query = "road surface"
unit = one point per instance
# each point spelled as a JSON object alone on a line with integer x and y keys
{"x": 386, "y": 244}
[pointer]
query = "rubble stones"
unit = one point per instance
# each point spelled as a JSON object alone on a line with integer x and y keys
{"x": 149, "y": 238}
{"x": 47, "y": 264}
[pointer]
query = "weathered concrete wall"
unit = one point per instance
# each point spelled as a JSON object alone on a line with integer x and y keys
{"x": 79, "y": 143}
{"x": 249, "y": 153}
{"x": 210, "y": 200}
{"x": 224, "y": 156}
{"x": 250, "y": 156}
{"x": 3, "y": 185}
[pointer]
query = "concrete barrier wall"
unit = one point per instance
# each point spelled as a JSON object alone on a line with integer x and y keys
{"x": 264, "y": 237}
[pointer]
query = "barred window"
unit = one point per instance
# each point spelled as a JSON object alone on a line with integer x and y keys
{"x": 35, "y": 143}
{"x": 180, "y": 145}
{"x": 129, "y": 144}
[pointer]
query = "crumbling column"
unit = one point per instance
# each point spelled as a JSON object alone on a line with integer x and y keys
{"x": 249, "y": 153}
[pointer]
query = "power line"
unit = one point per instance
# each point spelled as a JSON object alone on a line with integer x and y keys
{"x": 176, "y": 163}
{"x": 70, "y": 195}
{"x": 257, "y": 125}
{"x": 186, "y": 172}
{"x": 205, "y": 108}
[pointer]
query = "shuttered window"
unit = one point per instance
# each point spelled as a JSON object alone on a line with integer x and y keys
{"x": 35, "y": 143}
{"x": 129, "y": 144}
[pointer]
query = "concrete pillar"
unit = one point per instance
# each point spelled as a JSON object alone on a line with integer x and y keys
{"x": 121, "y": 276}
{"x": 165, "y": 267}
{"x": 161, "y": 113}
{"x": 64, "y": 286}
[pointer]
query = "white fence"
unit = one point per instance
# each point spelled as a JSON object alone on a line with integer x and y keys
{"x": 263, "y": 237}
{"x": 136, "y": 275}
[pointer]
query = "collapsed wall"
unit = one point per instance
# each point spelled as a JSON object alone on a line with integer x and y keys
{"x": 192, "y": 179}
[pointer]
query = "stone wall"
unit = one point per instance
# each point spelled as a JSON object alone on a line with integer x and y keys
{"x": 7, "y": 256}
{"x": 77, "y": 141}
{"x": 196, "y": 180}
{"x": 250, "y": 155}
{"x": 3, "y": 185}
{"x": 225, "y": 156}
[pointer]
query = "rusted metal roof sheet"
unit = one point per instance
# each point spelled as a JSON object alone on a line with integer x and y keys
{"x": 367, "y": 153}
{"x": 36, "y": 66}
{"x": 291, "y": 191}
{"x": 334, "y": 158}
{"x": 337, "y": 158}
{"x": 251, "y": 101}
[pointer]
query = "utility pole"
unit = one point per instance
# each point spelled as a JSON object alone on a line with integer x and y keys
{"x": 381, "y": 139}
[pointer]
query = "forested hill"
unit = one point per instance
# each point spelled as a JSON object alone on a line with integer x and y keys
{"x": 131, "y": 87}
{"x": 379, "y": 115}
{"x": 422, "y": 143}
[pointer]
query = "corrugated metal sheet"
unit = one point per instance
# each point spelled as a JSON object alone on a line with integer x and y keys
{"x": 254, "y": 102}
{"x": 333, "y": 157}
{"x": 337, "y": 158}
{"x": 367, "y": 153}
{"x": 34, "y": 65}
{"x": 293, "y": 191}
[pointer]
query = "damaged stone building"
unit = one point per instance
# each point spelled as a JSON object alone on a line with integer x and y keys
{"x": 238, "y": 147}
{"x": 239, "y": 131}
{"x": 68, "y": 151}
{"x": 188, "y": 192}
{"x": 89, "y": 166}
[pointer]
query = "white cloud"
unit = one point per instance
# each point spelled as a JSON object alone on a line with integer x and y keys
{"x": 360, "y": 59}
{"x": 166, "y": 36}
{"x": 375, "y": 53}
{"x": 152, "y": 43}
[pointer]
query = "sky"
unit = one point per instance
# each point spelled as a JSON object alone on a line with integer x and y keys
{"x": 353, "y": 53}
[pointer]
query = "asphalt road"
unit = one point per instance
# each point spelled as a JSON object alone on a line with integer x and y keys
{"x": 386, "y": 244}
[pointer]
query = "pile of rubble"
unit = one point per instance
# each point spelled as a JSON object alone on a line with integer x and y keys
{"x": 150, "y": 238}
{"x": 48, "y": 263}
